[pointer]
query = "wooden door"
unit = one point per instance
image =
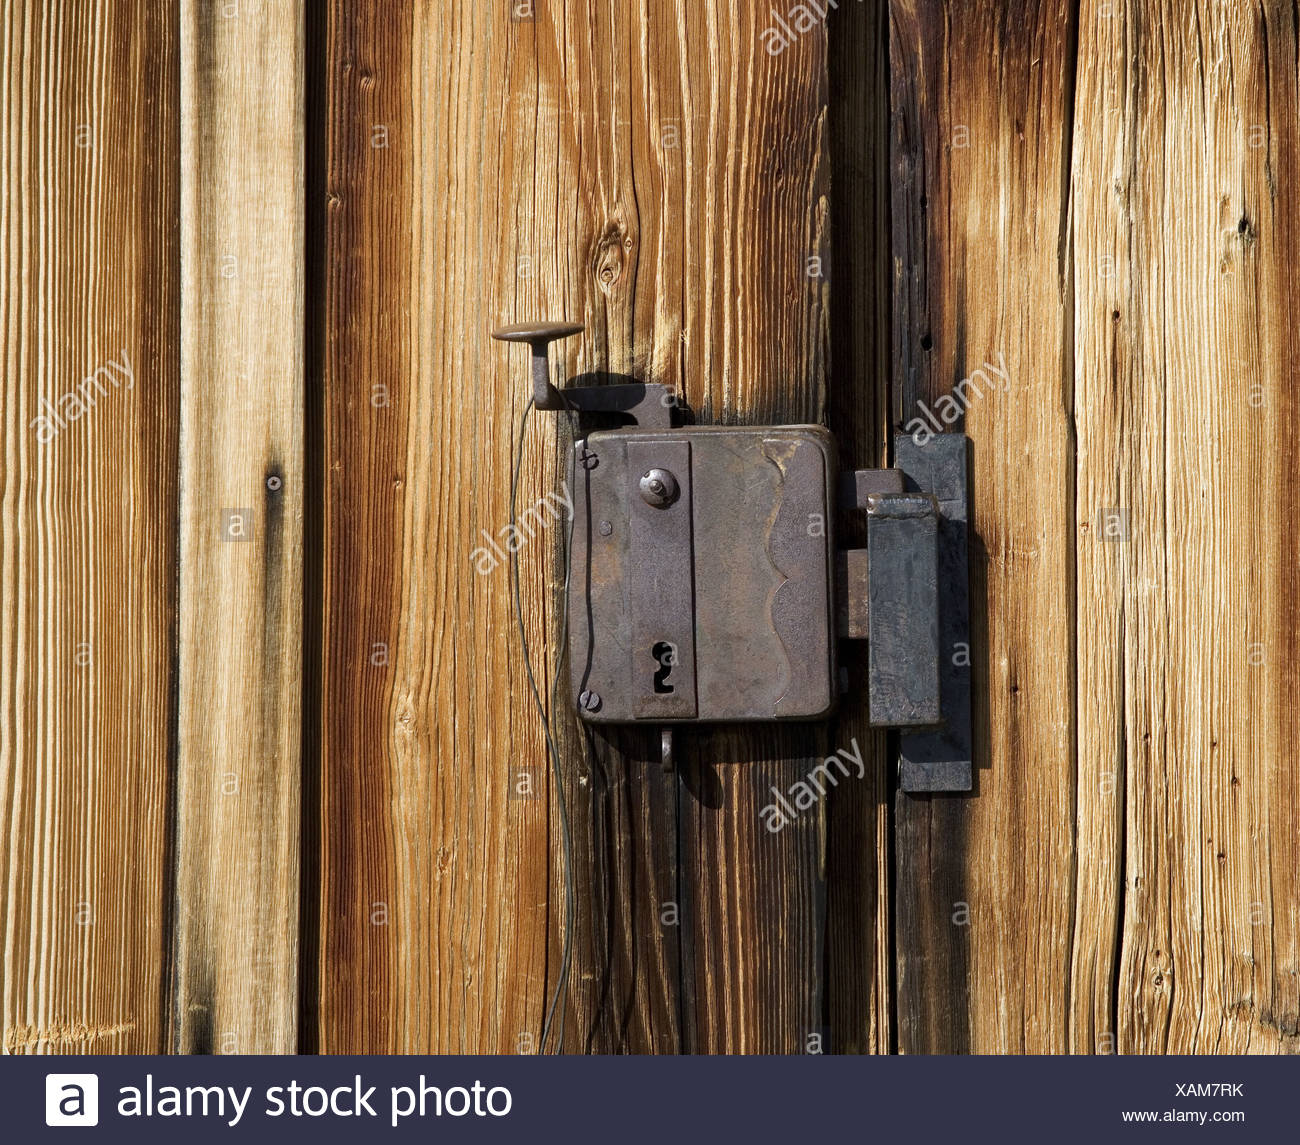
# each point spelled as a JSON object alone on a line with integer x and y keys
{"x": 272, "y": 772}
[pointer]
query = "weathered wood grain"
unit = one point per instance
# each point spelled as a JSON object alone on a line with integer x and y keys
{"x": 433, "y": 878}
{"x": 241, "y": 488}
{"x": 1091, "y": 203}
{"x": 89, "y": 318}
{"x": 1125, "y": 879}
{"x": 654, "y": 173}
{"x": 1186, "y": 242}
{"x": 981, "y": 108}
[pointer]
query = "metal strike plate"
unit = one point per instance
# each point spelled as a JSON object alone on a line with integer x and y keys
{"x": 939, "y": 759}
{"x": 713, "y": 604}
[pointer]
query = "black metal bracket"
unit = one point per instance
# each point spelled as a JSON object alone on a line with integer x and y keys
{"x": 706, "y": 584}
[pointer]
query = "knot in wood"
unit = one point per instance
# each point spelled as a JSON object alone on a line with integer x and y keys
{"x": 614, "y": 244}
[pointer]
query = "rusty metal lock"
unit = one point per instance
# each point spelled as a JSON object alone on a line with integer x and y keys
{"x": 706, "y": 586}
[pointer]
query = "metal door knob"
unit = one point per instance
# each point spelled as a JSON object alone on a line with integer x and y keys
{"x": 539, "y": 336}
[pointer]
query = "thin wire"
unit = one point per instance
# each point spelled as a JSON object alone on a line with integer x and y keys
{"x": 566, "y": 838}
{"x": 570, "y": 892}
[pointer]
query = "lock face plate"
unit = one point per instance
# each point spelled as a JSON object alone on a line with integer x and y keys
{"x": 706, "y": 597}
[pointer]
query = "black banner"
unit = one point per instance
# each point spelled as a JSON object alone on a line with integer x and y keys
{"x": 668, "y": 1101}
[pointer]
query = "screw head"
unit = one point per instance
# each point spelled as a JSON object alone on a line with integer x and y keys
{"x": 658, "y": 488}
{"x": 606, "y": 527}
{"x": 590, "y": 701}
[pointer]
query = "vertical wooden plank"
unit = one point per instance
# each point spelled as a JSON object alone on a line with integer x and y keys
{"x": 241, "y": 454}
{"x": 859, "y": 970}
{"x": 1107, "y": 466}
{"x": 434, "y": 876}
{"x": 723, "y": 295}
{"x": 657, "y": 174}
{"x": 89, "y": 322}
{"x": 1187, "y": 240}
{"x": 359, "y": 205}
{"x": 981, "y": 98}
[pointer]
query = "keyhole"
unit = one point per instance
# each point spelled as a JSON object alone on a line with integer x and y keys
{"x": 665, "y": 655}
